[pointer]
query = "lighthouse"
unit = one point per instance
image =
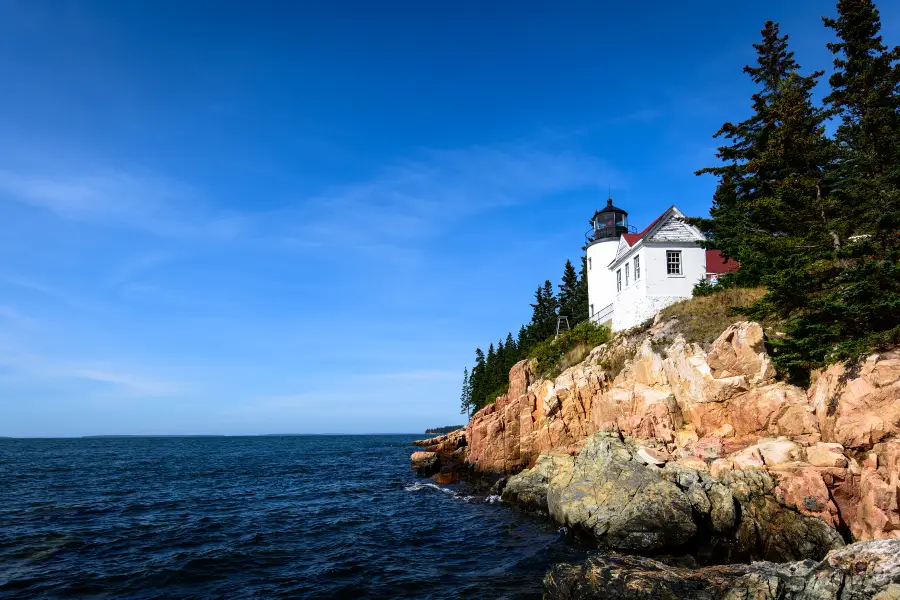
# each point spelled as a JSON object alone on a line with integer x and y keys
{"x": 607, "y": 226}
{"x": 633, "y": 275}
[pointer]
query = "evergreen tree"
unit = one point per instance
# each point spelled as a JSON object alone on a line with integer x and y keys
{"x": 523, "y": 342}
{"x": 543, "y": 319}
{"x": 580, "y": 309}
{"x": 512, "y": 353}
{"x": 865, "y": 94}
{"x": 477, "y": 380}
{"x": 771, "y": 210}
{"x": 491, "y": 371}
{"x": 568, "y": 293}
{"x": 465, "y": 399}
{"x": 854, "y": 306}
{"x": 501, "y": 373}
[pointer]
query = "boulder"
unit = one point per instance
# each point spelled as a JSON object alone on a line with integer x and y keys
{"x": 748, "y": 458}
{"x": 768, "y": 529}
{"x": 856, "y": 404}
{"x": 425, "y": 463}
{"x": 740, "y": 351}
{"x": 778, "y": 451}
{"x": 863, "y": 571}
{"x": 722, "y": 512}
{"x": 875, "y": 495}
{"x": 803, "y": 488}
{"x": 652, "y": 456}
{"x": 709, "y": 448}
{"x": 528, "y": 489}
{"x": 826, "y": 454}
{"x": 619, "y": 501}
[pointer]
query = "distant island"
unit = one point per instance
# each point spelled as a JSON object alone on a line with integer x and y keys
{"x": 445, "y": 429}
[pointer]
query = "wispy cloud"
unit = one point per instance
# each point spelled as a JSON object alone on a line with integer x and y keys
{"x": 138, "y": 385}
{"x": 56, "y": 294}
{"x": 405, "y": 199}
{"x": 120, "y": 198}
{"x": 125, "y": 381}
{"x": 30, "y": 285}
{"x": 11, "y": 314}
{"x": 415, "y": 198}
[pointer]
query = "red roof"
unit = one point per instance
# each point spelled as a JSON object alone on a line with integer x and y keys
{"x": 715, "y": 263}
{"x": 632, "y": 238}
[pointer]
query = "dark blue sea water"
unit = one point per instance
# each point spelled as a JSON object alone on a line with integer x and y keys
{"x": 254, "y": 517}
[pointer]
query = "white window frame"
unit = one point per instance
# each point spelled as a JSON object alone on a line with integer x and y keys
{"x": 637, "y": 268}
{"x": 674, "y": 258}
{"x": 627, "y": 274}
{"x": 619, "y": 280}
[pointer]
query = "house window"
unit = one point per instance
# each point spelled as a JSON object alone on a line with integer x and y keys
{"x": 627, "y": 273}
{"x": 619, "y": 280}
{"x": 673, "y": 262}
{"x": 592, "y": 311}
{"x": 637, "y": 268}
{"x": 589, "y": 264}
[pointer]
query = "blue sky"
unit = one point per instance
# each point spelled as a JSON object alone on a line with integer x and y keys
{"x": 240, "y": 218}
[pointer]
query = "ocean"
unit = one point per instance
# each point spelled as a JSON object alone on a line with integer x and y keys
{"x": 255, "y": 517}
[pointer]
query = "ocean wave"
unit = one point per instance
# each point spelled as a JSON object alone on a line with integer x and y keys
{"x": 229, "y": 518}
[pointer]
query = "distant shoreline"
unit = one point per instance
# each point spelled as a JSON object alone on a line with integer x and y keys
{"x": 199, "y": 435}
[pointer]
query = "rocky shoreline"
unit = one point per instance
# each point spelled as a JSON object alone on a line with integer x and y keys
{"x": 685, "y": 463}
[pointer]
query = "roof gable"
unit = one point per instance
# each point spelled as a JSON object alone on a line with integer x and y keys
{"x": 670, "y": 227}
{"x": 633, "y": 238}
{"x": 621, "y": 250}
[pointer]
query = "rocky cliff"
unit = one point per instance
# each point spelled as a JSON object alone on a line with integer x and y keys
{"x": 831, "y": 452}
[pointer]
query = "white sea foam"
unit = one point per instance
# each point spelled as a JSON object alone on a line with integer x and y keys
{"x": 419, "y": 486}
{"x": 416, "y": 487}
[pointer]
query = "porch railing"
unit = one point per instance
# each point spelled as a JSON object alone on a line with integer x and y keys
{"x": 603, "y": 315}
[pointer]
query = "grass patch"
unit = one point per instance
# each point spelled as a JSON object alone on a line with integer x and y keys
{"x": 701, "y": 319}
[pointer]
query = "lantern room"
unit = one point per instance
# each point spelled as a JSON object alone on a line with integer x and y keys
{"x": 610, "y": 222}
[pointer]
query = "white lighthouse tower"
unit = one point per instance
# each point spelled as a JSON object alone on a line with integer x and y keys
{"x": 607, "y": 226}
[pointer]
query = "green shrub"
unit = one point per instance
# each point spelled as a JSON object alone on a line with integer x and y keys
{"x": 704, "y": 287}
{"x": 555, "y": 354}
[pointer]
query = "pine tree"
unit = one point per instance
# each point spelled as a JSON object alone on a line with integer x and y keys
{"x": 523, "y": 342}
{"x": 855, "y": 306}
{"x": 865, "y": 94}
{"x": 580, "y": 309}
{"x": 500, "y": 372}
{"x": 477, "y": 381}
{"x": 512, "y": 353}
{"x": 465, "y": 399}
{"x": 771, "y": 210}
{"x": 543, "y": 319}
{"x": 568, "y": 293}
{"x": 491, "y": 371}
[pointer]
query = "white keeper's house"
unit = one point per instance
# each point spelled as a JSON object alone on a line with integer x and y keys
{"x": 632, "y": 276}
